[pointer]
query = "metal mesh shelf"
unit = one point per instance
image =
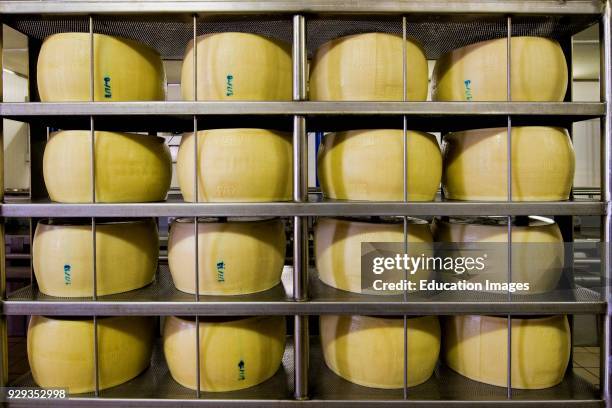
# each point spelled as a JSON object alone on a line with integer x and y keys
{"x": 155, "y": 387}
{"x": 162, "y": 298}
{"x": 170, "y": 33}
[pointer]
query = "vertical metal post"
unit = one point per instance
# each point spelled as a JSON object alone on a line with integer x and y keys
{"x": 4, "y": 363}
{"x": 605, "y": 80}
{"x": 300, "y": 224}
{"x": 93, "y": 200}
{"x": 405, "y": 192}
{"x": 509, "y": 182}
{"x": 196, "y": 200}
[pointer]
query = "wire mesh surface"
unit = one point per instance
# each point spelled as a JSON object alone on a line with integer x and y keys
{"x": 169, "y": 34}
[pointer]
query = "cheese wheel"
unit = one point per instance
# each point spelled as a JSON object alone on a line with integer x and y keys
{"x": 237, "y": 165}
{"x": 369, "y": 351}
{"x": 238, "y": 66}
{"x": 337, "y": 243}
{"x": 476, "y": 164}
{"x": 129, "y": 167}
{"x": 126, "y": 257}
{"x": 368, "y": 67}
{"x": 61, "y": 351}
{"x": 368, "y": 165}
{"x": 476, "y": 347}
{"x": 239, "y": 256}
{"x": 124, "y": 70}
{"x": 537, "y": 250}
{"x": 478, "y": 72}
{"x": 234, "y": 353}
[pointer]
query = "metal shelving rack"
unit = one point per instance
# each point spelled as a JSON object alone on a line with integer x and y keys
{"x": 304, "y": 379}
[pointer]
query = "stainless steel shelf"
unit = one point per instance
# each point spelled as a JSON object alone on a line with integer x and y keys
{"x": 155, "y": 387}
{"x": 162, "y": 298}
{"x": 20, "y": 207}
{"x": 308, "y": 108}
{"x": 318, "y": 6}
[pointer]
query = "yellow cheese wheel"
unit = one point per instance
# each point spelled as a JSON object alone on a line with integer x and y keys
{"x": 238, "y": 256}
{"x": 478, "y": 72}
{"x": 61, "y": 351}
{"x": 234, "y": 353}
{"x": 238, "y": 66}
{"x": 126, "y": 257}
{"x": 537, "y": 250}
{"x": 368, "y": 67}
{"x": 124, "y": 70}
{"x": 237, "y": 165}
{"x": 129, "y": 167}
{"x": 476, "y": 347}
{"x": 368, "y": 165}
{"x": 337, "y": 243}
{"x": 476, "y": 164}
{"x": 369, "y": 351}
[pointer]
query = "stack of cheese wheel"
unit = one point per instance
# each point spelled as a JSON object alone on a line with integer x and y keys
{"x": 124, "y": 70}
{"x": 238, "y": 66}
{"x": 236, "y": 256}
{"x": 234, "y": 353}
{"x": 538, "y": 71}
{"x": 476, "y": 347}
{"x": 369, "y": 165}
{"x": 476, "y": 164}
{"x": 126, "y": 256}
{"x": 128, "y": 167}
{"x": 247, "y": 165}
{"x": 338, "y": 250}
{"x": 537, "y": 250}
{"x": 369, "y": 350}
{"x": 368, "y": 67}
{"x": 61, "y": 351}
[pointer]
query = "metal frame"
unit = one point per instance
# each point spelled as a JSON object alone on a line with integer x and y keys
{"x": 300, "y": 303}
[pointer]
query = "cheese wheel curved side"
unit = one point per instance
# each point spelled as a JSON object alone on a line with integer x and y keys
{"x": 360, "y": 67}
{"x": 129, "y": 167}
{"x": 60, "y": 351}
{"x": 124, "y": 70}
{"x": 234, "y": 353}
{"x": 237, "y": 165}
{"x": 368, "y": 165}
{"x": 537, "y": 252}
{"x": 477, "y": 72}
{"x": 236, "y": 257}
{"x": 238, "y": 66}
{"x": 475, "y": 164}
{"x": 369, "y": 351}
{"x": 126, "y": 257}
{"x": 337, "y": 245}
{"x": 475, "y": 345}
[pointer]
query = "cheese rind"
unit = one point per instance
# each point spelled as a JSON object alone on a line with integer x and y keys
{"x": 368, "y": 67}
{"x": 537, "y": 250}
{"x": 234, "y": 353}
{"x": 478, "y": 72}
{"x": 129, "y": 167}
{"x": 246, "y": 165}
{"x": 338, "y": 253}
{"x": 369, "y": 351}
{"x": 61, "y": 354}
{"x": 235, "y": 257}
{"x": 124, "y": 70}
{"x": 368, "y": 165}
{"x": 476, "y": 347}
{"x": 238, "y": 66}
{"x": 126, "y": 257}
{"x": 476, "y": 164}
